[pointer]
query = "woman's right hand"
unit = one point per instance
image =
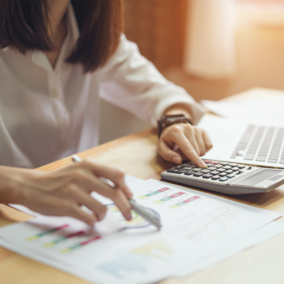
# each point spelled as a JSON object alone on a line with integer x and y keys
{"x": 62, "y": 192}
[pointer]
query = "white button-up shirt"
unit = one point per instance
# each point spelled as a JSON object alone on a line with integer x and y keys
{"x": 47, "y": 114}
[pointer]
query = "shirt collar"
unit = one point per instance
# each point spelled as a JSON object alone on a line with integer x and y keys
{"x": 5, "y": 48}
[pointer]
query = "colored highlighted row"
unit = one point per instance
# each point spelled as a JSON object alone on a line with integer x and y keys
{"x": 67, "y": 250}
{"x": 154, "y": 192}
{"x": 184, "y": 202}
{"x": 63, "y": 238}
{"x": 32, "y": 238}
{"x": 169, "y": 197}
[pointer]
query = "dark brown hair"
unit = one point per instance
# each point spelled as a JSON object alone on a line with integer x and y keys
{"x": 23, "y": 25}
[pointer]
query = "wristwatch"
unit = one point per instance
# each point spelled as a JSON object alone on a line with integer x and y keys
{"x": 167, "y": 120}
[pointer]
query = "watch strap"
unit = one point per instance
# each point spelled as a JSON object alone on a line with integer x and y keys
{"x": 167, "y": 120}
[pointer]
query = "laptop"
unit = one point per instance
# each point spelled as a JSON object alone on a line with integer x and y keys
{"x": 235, "y": 140}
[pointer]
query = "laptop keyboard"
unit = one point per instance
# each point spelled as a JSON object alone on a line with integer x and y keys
{"x": 254, "y": 145}
{"x": 265, "y": 145}
{"x": 242, "y": 145}
{"x": 262, "y": 155}
{"x": 277, "y": 147}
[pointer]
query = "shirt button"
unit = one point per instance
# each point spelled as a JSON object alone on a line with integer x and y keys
{"x": 54, "y": 93}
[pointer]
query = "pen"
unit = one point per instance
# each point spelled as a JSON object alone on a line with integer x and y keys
{"x": 135, "y": 206}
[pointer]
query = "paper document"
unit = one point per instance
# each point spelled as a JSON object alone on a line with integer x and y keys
{"x": 265, "y": 233}
{"x": 195, "y": 225}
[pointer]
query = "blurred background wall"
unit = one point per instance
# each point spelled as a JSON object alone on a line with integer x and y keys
{"x": 162, "y": 28}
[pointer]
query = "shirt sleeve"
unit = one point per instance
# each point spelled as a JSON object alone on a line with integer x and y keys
{"x": 133, "y": 83}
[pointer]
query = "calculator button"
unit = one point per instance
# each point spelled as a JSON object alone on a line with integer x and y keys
{"x": 231, "y": 176}
{"x": 196, "y": 170}
{"x": 207, "y": 176}
{"x": 222, "y": 174}
{"x": 175, "y": 171}
{"x": 226, "y": 167}
{"x": 249, "y": 168}
{"x": 210, "y": 165}
{"x": 224, "y": 163}
{"x": 218, "y": 166}
{"x": 211, "y": 168}
{"x": 178, "y": 167}
{"x": 239, "y": 172}
{"x": 232, "y": 165}
{"x": 207, "y": 161}
{"x": 215, "y": 177}
{"x": 187, "y": 169}
{"x": 214, "y": 173}
{"x": 223, "y": 179}
{"x": 189, "y": 173}
{"x": 229, "y": 171}
{"x": 240, "y": 166}
{"x": 215, "y": 162}
{"x": 205, "y": 171}
{"x": 235, "y": 169}
{"x": 220, "y": 170}
{"x": 197, "y": 174}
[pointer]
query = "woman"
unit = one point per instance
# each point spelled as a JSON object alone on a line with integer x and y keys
{"x": 56, "y": 58}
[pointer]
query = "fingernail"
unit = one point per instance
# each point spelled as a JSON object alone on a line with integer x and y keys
{"x": 177, "y": 160}
{"x": 129, "y": 194}
{"x": 202, "y": 164}
{"x": 129, "y": 217}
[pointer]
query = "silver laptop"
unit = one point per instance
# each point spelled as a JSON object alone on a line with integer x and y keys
{"x": 260, "y": 144}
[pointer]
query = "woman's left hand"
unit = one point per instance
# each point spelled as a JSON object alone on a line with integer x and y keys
{"x": 192, "y": 142}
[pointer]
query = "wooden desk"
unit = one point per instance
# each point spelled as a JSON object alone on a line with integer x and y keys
{"x": 137, "y": 155}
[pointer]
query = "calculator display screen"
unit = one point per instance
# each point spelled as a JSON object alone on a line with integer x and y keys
{"x": 259, "y": 177}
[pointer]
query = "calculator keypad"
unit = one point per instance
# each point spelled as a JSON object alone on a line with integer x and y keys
{"x": 217, "y": 171}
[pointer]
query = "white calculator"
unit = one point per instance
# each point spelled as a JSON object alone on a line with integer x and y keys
{"x": 226, "y": 177}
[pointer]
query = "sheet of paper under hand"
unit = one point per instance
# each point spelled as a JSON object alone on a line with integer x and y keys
{"x": 196, "y": 225}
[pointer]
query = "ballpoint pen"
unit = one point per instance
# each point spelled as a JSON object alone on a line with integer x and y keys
{"x": 141, "y": 210}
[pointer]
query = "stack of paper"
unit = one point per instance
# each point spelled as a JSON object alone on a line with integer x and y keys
{"x": 198, "y": 230}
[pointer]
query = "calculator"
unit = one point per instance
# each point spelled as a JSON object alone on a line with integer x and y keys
{"x": 225, "y": 177}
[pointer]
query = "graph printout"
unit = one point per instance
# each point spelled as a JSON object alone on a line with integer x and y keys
{"x": 195, "y": 226}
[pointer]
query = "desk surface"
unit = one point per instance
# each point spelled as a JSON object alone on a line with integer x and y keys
{"x": 136, "y": 155}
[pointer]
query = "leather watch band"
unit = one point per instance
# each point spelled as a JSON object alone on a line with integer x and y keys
{"x": 167, "y": 120}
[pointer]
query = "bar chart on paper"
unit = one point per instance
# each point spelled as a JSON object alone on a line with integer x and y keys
{"x": 61, "y": 239}
{"x": 168, "y": 197}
